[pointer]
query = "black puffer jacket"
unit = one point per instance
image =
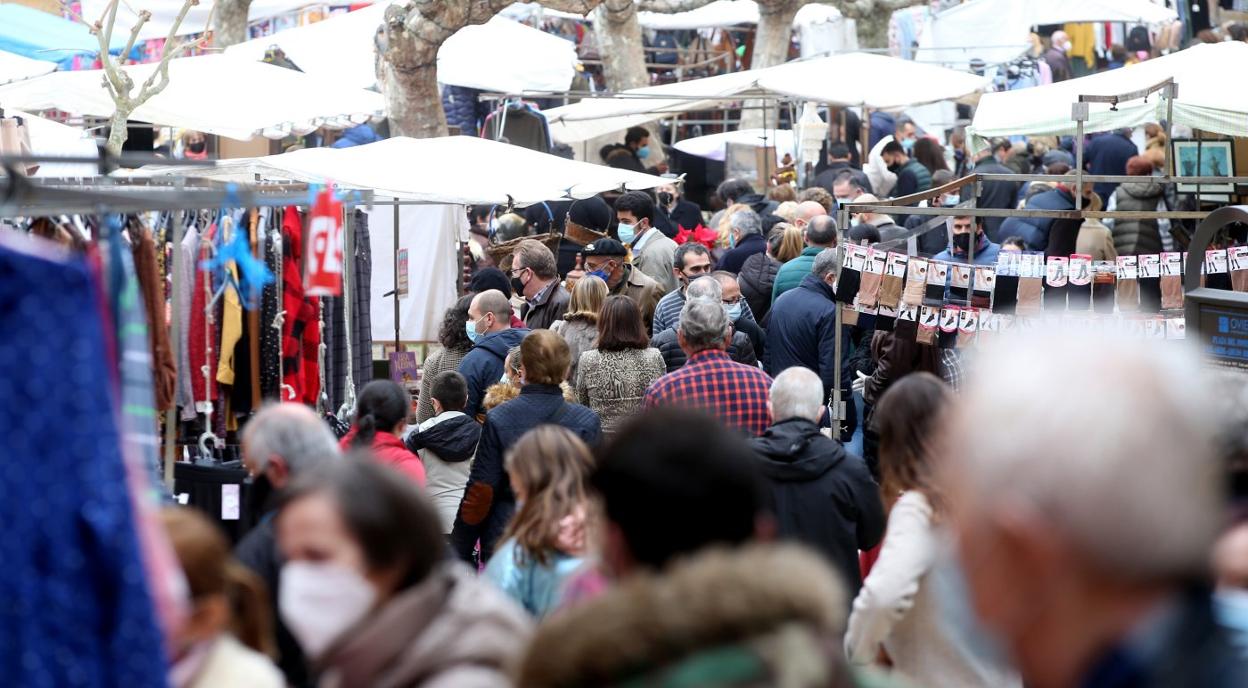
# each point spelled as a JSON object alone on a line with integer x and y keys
{"x": 1137, "y": 237}
{"x": 823, "y": 495}
{"x": 757, "y": 276}
{"x": 453, "y": 440}
{"x": 741, "y": 351}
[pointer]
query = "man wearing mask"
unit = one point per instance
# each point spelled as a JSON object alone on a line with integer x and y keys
{"x": 691, "y": 261}
{"x": 848, "y": 185}
{"x": 1056, "y": 57}
{"x": 606, "y": 259}
{"x": 882, "y": 179}
{"x": 912, "y": 176}
{"x": 965, "y": 230}
{"x": 735, "y": 308}
{"x": 652, "y": 251}
{"x": 634, "y": 152}
{"x": 838, "y": 161}
{"x": 280, "y": 443}
{"x": 1001, "y": 195}
{"x": 489, "y": 328}
{"x": 934, "y": 240}
{"x": 533, "y": 276}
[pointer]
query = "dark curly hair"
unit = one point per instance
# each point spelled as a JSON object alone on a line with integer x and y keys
{"x": 452, "y": 334}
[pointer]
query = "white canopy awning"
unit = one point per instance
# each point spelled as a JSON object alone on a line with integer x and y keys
{"x": 997, "y": 31}
{"x": 850, "y": 79}
{"x": 1205, "y": 101}
{"x": 61, "y": 140}
{"x": 164, "y": 12}
{"x": 500, "y": 55}
{"x": 719, "y": 14}
{"x": 215, "y": 94}
{"x": 712, "y": 146}
{"x": 14, "y": 67}
{"x": 453, "y": 169}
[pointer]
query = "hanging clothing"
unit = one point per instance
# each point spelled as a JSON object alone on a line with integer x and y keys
{"x": 79, "y": 610}
{"x": 202, "y": 335}
{"x": 300, "y": 312}
{"x": 182, "y": 297}
{"x": 270, "y": 305}
{"x": 152, "y": 288}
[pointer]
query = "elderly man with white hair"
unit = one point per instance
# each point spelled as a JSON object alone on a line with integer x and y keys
{"x": 822, "y": 495}
{"x": 740, "y": 349}
{"x": 710, "y": 381}
{"x": 1086, "y": 510}
{"x": 280, "y": 443}
{"x": 747, "y": 240}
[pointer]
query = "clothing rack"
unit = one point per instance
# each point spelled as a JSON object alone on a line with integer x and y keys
{"x": 24, "y": 197}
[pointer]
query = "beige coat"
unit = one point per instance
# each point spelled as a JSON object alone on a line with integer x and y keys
{"x": 1096, "y": 240}
{"x": 230, "y": 663}
{"x": 453, "y": 630}
{"x": 656, "y": 257}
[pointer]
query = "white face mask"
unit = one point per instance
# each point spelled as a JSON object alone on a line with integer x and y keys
{"x": 321, "y": 601}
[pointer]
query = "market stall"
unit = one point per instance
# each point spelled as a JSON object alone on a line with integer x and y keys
{"x": 1203, "y": 100}
{"x": 165, "y": 12}
{"x": 532, "y": 60}
{"x": 14, "y": 67}
{"x": 851, "y": 79}
{"x": 214, "y": 94}
{"x": 997, "y": 31}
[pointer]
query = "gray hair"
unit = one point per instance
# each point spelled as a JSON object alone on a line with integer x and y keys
{"x": 705, "y": 287}
{"x": 747, "y": 222}
{"x": 703, "y": 324}
{"x": 292, "y": 432}
{"x": 1123, "y": 466}
{"x": 797, "y": 393}
{"x": 826, "y": 264}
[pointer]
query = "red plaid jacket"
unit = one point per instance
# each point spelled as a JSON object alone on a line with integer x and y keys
{"x": 710, "y": 381}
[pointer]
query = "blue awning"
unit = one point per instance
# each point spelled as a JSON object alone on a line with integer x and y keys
{"x": 42, "y": 36}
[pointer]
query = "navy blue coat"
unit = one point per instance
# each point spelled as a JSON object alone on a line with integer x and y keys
{"x": 735, "y": 257}
{"x": 488, "y": 502}
{"x": 1108, "y": 154}
{"x": 1035, "y": 230}
{"x": 483, "y": 366}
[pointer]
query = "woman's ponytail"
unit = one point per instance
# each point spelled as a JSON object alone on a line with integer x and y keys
{"x": 251, "y": 622}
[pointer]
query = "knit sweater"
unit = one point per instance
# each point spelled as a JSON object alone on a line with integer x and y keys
{"x": 898, "y": 608}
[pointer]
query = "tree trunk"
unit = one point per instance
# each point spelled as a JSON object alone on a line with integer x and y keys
{"x": 873, "y": 30}
{"x": 230, "y": 22}
{"x": 620, "y": 44}
{"x": 771, "y": 47}
{"x": 408, "y": 73}
{"x": 118, "y": 130}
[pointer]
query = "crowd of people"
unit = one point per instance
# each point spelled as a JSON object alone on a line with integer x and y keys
{"x": 630, "y": 472}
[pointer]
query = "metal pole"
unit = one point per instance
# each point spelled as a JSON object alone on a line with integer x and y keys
{"x": 865, "y": 133}
{"x": 1200, "y": 136}
{"x": 171, "y": 416}
{"x": 838, "y": 404}
{"x": 396, "y": 277}
{"x": 1171, "y": 93}
{"x": 1080, "y": 115}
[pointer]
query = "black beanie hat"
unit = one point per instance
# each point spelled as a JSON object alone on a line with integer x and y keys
{"x": 591, "y": 213}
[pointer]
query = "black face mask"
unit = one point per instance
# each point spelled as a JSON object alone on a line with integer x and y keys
{"x": 963, "y": 241}
{"x": 197, "y": 147}
{"x": 517, "y": 287}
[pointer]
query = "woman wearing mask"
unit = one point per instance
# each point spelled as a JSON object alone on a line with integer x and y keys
{"x": 370, "y": 596}
{"x": 380, "y": 418}
{"x": 897, "y": 610}
{"x": 228, "y": 605}
{"x": 579, "y": 327}
{"x": 613, "y": 377}
{"x": 455, "y": 345}
{"x": 545, "y": 540}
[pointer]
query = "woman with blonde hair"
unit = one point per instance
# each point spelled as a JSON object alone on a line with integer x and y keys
{"x": 725, "y": 228}
{"x": 228, "y": 635}
{"x": 579, "y": 326}
{"x": 897, "y": 611}
{"x": 791, "y": 242}
{"x": 545, "y": 541}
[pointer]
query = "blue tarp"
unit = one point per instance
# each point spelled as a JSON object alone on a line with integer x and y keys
{"x": 42, "y": 36}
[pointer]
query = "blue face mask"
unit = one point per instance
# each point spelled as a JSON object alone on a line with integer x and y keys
{"x": 952, "y": 200}
{"x": 733, "y": 311}
{"x": 470, "y": 328}
{"x": 627, "y": 232}
{"x": 1230, "y": 608}
{"x": 601, "y": 273}
{"x": 643, "y": 152}
{"x": 907, "y": 145}
{"x": 732, "y": 240}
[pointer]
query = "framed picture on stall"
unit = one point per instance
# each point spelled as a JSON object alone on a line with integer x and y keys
{"x": 1204, "y": 158}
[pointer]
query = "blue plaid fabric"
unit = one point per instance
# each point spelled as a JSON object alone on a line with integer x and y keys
{"x": 710, "y": 381}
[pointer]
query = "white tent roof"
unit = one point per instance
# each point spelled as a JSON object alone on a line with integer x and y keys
{"x": 500, "y": 55}
{"x": 14, "y": 67}
{"x": 1204, "y": 100}
{"x": 997, "y": 31}
{"x": 164, "y": 12}
{"x": 849, "y": 79}
{"x": 717, "y": 14}
{"x": 452, "y": 169}
{"x": 711, "y": 146}
{"x": 215, "y": 94}
{"x": 53, "y": 138}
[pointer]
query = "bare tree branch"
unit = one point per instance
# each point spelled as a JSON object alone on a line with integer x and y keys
{"x": 856, "y": 9}
{"x": 134, "y": 33}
